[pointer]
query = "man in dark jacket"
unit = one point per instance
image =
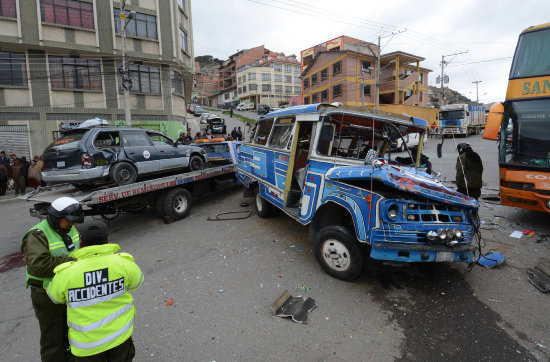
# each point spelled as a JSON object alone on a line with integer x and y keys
{"x": 469, "y": 171}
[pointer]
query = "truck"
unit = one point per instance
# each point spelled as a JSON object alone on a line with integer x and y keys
{"x": 171, "y": 196}
{"x": 461, "y": 119}
{"x": 332, "y": 168}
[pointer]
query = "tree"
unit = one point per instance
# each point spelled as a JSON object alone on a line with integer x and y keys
{"x": 207, "y": 59}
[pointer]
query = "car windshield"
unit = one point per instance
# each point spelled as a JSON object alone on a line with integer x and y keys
{"x": 525, "y": 133}
{"x": 68, "y": 141}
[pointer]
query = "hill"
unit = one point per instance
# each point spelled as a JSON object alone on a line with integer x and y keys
{"x": 451, "y": 97}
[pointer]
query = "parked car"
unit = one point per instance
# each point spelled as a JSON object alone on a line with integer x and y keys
{"x": 263, "y": 109}
{"x": 217, "y": 124}
{"x": 191, "y": 108}
{"x": 121, "y": 155}
{"x": 198, "y": 111}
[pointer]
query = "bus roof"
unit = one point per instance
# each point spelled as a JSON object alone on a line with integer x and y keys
{"x": 536, "y": 27}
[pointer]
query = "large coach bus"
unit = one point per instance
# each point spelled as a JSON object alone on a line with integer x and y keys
{"x": 522, "y": 124}
{"x": 334, "y": 170}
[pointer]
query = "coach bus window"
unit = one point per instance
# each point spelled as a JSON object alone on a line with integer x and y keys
{"x": 282, "y": 132}
{"x": 262, "y": 133}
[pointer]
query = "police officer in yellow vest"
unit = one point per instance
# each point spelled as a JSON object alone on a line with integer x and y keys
{"x": 100, "y": 309}
{"x": 45, "y": 246}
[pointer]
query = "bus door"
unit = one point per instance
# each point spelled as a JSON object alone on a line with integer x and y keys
{"x": 298, "y": 163}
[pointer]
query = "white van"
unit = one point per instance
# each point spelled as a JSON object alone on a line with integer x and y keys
{"x": 245, "y": 106}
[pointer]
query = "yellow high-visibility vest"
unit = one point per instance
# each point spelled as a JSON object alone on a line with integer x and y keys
{"x": 55, "y": 244}
{"x": 100, "y": 310}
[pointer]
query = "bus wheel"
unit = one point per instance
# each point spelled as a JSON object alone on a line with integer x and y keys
{"x": 339, "y": 253}
{"x": 263, "y": 208}
{"x": 176, "y": 203}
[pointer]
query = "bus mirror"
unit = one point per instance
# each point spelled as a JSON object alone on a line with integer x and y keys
{"x": 494, "y": 119}
{"x": 439, "y": 150}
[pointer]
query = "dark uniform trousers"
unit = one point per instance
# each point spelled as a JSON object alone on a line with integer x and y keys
{"x": 54, "y": 331}
{"x": 124, "y": 352}
{"x": 475, "y": 193}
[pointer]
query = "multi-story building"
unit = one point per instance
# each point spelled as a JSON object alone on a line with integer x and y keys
{"x": 206, "y": 83}
{"x": 60, "y": 64}
{"x": 272, "y": 79}
{"x": 344, "y": 70}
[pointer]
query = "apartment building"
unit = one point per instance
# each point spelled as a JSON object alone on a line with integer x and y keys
{"x": 60, "y": 64}
{"x": 344, "y": 70}
{"x": 273, "y": 80}
{"x": 206, "y": 83}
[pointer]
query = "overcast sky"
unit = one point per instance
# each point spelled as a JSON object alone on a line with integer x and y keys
{"x": 488, "y": 30}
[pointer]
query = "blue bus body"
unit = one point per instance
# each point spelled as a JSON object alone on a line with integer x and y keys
{"x": 333, "y": 169}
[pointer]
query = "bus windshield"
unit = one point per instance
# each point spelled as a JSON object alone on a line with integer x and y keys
{"x": 459, "y": 114}
{"x": 525, "y": 133}
{"x": 532, "y": 56}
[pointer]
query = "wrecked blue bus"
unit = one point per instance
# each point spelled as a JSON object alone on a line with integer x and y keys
{"x": 335, "y": 170}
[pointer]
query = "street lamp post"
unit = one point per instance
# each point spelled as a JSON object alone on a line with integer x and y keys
{"x": 126, "y": 82}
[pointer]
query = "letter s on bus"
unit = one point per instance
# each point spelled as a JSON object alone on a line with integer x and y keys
{"x": 526, "y": 88}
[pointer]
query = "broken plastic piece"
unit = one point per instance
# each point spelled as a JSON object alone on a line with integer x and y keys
{"x": 491, "y": 260}
{"x": 296, "y": 307}
{"x": 531, "y": 234}
{"x": 527, "y": 232}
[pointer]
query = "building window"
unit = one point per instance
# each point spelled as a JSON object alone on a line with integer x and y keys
{"x": 145, "y": 79}
{"x": 324, "y": 95}
{"x": 144, "y": 26}
{"x": 278, "y": 78}
{"x": 13, "y": 69}
{"x": 67, "y": 12}
{"x": 324, "y": 74}
{"x": 266, "y": 87}
{"x": 7, "y": 9}
{"x": 306, "y": 83}
{"x": 288, "y": 89}
{"x": 366, "y": 89}
{"x": 239, "y": 90}
{"x": 297, "y": 90}
{"x": 420, "y": 96}
{"x": 177, "y": 82}
{"x": 288, "y": 68}
{"x": 251, "y": 76}
{"x": 244, "y": 89}
{"x": 253, "y": 87}
{"x": 277, "y": 67}
{"x": 266, "y": 77}
{"x": 296, "y": 69}
{"x": 181, "y": 4}
{"x": 183, "y": 40}
{"x": 336, "y": 91}
{"x": 366, "y": 66}
{"x": 226, "y": 96}
{"x": 315, "y": 97}
{"x": 278, "y": 88}
{"x": 421, "y": 77}
{"x": 306, "y": 100}
{"x": 337, "y": 68}
{"x": 288, "y": 79}
{"x": 314, "y": 79}
{"x": 75, "y": 73}
{"x": 297, "y": 80}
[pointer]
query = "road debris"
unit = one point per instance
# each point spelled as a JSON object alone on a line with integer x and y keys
{"x": 304, "y": 288}
{"x": 296, "y": 307}
{"x": 491, "y": 260}
{"x": 539, "y": 275}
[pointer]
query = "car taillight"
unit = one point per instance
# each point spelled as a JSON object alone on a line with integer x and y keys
{"x": 86, "y": 159}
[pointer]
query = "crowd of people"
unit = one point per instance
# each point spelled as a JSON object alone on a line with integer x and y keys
{"x": 16, "y": 173}
{"x": 187, "y": 139}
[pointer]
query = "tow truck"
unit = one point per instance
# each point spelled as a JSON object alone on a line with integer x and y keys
{"x": 171, "y": 196}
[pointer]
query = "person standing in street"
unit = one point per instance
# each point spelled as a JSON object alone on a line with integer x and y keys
{"x": 239, "y": 134}
{"x": 231, "y": 111}
{"x": 45, "y": 246}
{"x": 3, "y": 179}
{"x": 34, "y": 174}
{"x": 469, "y": 171}
{"x": 18, "y": 176}
{"x": 100, "y": 309}
{"x": 4, "y": 161}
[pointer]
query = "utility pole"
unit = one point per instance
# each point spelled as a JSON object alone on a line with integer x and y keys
{"x": 443, "y": 63}
{"x": 126, "y": 82}
{"x": 378, "y": 66}
{"x": 477, "y": 90}
{"x": 362, "y": 90}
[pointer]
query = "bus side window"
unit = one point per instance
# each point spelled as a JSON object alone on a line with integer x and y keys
{"x": 324, "y": 145}
{"x": 262, "y": 133}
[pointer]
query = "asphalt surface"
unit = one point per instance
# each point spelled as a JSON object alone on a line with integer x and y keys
{"x": 209, "y": 286}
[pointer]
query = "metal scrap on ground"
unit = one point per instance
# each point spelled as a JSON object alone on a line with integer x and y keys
{"x": 539, "y": 275}
{"x": 296, "y": 307}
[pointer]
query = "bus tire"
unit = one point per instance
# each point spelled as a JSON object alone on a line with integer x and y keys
{"x": 339, "y": 253}
{"x": 176, "y": 203}
{"x": 263, "y": 208}
{"x": 123, "y": 173}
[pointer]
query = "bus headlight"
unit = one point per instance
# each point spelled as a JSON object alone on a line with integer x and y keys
{"x": 458, "y": 233}
{"x": 442, "y": 234}
{"x": 393, "y": 211}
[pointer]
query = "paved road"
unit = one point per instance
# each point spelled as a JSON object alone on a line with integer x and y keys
{"x": 223, "y": 277}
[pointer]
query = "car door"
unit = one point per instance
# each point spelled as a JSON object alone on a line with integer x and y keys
{"x": 139, "y": 149}
{"x": 170, "y": 156}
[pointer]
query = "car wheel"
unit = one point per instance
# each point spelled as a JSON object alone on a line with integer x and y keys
{"x": 339, "y": 253}
{"x": 196, "y": 163}
{"x": 263, "y": 208}
{"x": 123, "y": 173}
{"x": 176, "y": 203}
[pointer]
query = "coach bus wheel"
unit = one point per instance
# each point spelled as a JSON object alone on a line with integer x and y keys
{"x": 263, "y": 208}
{"x": 339, "y": 253}
{"x": 176, "y": 203}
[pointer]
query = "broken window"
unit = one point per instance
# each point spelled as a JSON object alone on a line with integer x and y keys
{"x": 107, "y": 140}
